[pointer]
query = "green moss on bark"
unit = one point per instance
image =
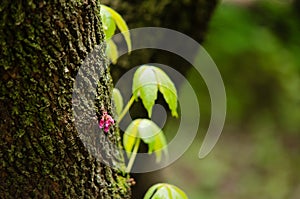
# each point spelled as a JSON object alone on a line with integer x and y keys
{"x": 43, "y": 44}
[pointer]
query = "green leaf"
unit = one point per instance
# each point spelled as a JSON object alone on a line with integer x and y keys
{"x": 130, "y": 136}
{"x": 165, "y": 191}
{"x": 112, "y": 51}
{"x": 152, "y": 135}
{"x": 121, "y": 24}
{"x": 147, "y": 80}
{"x": 145, "y": 86}
{"x": 136, "y": 81}
{"x": 151, "y": 190}
{"x": 168, "y": 89}
{"x": 179, "y": 192}
{"x": 162, "y": 193}
{"x": 118, "y": 99}
{"x": 109, "y": 25}
{"x": 147, "y": 131}
{"x": 159, "y": 144}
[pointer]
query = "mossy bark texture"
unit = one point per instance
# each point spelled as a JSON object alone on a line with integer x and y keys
{"x": 43, "y": 44}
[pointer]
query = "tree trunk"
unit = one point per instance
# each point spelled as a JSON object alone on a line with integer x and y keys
{"x": 43, "y": 44}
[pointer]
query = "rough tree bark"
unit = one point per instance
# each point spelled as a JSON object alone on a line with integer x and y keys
{"x": 43, "y": 44}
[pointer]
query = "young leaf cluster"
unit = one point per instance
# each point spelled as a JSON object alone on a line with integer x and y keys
{"x": 147, "y": 131}
{"x": 165, "y": 191}
{"x": 147, "y": 81}
{"x": 111, "y": 19}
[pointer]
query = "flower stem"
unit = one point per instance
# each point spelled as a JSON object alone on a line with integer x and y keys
{"x": 126, "y": 109}
{"x": 133, "y": 155}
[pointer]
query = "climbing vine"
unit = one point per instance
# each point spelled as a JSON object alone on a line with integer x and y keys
{"x": 147, "y": 81}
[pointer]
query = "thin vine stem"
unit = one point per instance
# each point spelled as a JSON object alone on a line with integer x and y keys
{"x": 126, "y": 109}
{"x": 133, "y": 155}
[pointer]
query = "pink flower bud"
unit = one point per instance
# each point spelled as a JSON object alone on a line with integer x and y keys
{"x": 101, "y": 123}
{"x": 106, "y": 121}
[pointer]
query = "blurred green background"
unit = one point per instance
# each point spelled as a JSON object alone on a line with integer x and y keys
{"x": 256, "y": 46}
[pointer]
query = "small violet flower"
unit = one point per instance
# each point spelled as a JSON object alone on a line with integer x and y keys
{"x": 106, "y": 121}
